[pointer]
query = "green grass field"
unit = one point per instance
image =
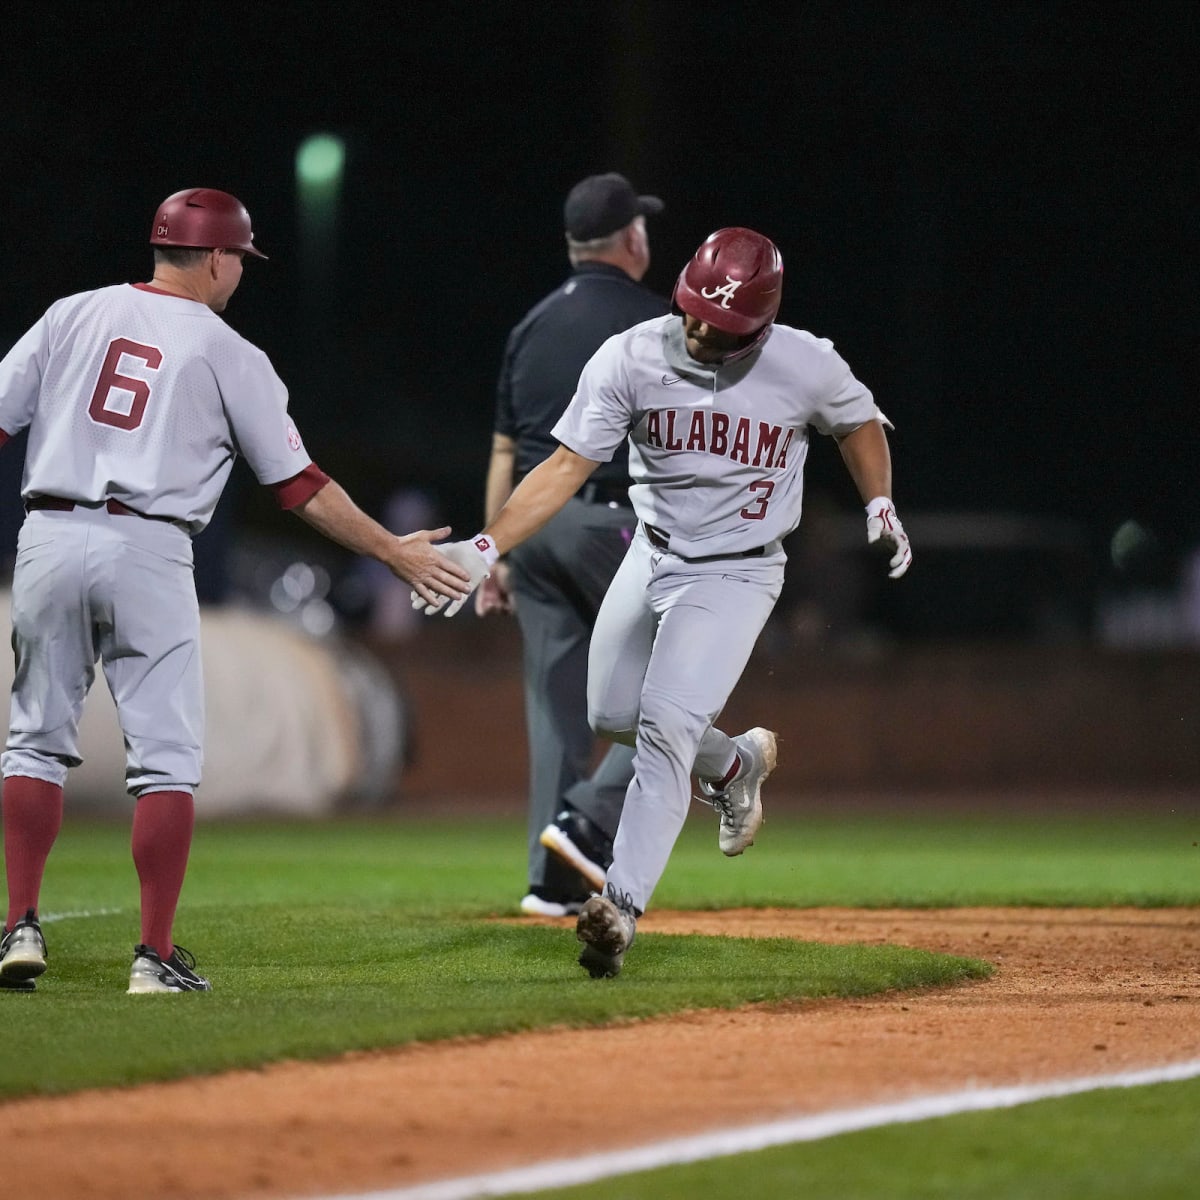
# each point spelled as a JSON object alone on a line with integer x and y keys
{"x": 362, "y": 933}
{"x": 1109, "y": 1145}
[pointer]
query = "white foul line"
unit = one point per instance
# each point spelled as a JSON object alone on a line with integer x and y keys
{"x": 50, "y": 918}
{"x": 568, "y": 1172}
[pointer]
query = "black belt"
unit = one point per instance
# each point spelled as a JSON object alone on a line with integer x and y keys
{"x": 604, "y": 493}
{"x": 661, "y": 538}
{"x": 113, "y": 506}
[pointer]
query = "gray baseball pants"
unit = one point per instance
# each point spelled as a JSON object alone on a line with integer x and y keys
{"x": 670, "y": 643}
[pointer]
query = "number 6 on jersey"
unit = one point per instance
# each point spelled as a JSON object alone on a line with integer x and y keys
{"x": 111, "y": 380}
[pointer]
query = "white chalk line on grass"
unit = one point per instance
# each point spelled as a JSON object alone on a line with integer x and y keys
{"x": 568, "y": 1172}
{"x": 50, "y": 918}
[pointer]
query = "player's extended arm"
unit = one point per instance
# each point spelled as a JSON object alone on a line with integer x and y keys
{"x": 534, "y": 501}
{"x": 868, "y": 459}
{"x": 538, "y": 497}
{"x": 411, "y": 557}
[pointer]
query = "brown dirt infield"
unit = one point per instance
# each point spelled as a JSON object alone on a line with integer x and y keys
{"x": 1076, "y": 992}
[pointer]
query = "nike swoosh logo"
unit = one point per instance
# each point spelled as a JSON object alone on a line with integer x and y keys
{"x": 670, "y": 379}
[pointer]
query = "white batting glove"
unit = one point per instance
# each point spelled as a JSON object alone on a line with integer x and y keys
{"x": 884, "y": 528}
{"x": 476, "y": 556}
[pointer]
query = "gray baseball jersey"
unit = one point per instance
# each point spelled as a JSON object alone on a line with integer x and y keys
{"x": 146, "y": 398}
{"x": 717, "y": 458}
{"x": 716, "y": 453}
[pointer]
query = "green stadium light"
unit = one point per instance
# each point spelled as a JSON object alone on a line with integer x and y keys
{"x": 320, "y": 160}
{"x": 320, "y": 169}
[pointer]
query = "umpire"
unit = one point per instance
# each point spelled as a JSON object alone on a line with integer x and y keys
{"x": 556, "y": 580}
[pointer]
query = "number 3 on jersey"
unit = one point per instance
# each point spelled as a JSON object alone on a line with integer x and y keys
{"x": 109, "y": 409}
{"x": 757, "y": 509}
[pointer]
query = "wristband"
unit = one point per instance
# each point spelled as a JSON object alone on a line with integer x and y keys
{"x": 486, "y": 547}
{"x": 879, "y": 500}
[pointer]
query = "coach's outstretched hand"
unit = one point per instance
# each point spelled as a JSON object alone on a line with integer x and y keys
{"x": 476, "y": 557}
{"x": 884, "y": 528}
{"x": 413, "y": 558}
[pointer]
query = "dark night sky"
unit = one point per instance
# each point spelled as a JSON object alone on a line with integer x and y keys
{"x": 990, "y": 208}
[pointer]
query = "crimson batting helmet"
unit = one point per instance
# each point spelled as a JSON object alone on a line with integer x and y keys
{"x": 733, "y": 283}
{"x": 203, "y": 218}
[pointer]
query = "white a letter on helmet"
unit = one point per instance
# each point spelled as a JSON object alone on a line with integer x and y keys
{"x": 725, "y": 291}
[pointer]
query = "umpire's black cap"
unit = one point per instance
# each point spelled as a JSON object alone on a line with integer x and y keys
{"x": 602, "y": 204}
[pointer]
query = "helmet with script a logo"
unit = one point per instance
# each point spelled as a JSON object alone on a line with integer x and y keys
{"x": 206, "y": 218}
{"x": 733, "y": 283}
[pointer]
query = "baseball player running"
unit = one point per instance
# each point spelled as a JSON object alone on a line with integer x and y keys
{"x": 137, "y": 399}
{"x": 556, "y": 580}
{"x": 717, "y": 402}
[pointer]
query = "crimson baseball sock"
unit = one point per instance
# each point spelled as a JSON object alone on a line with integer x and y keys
{"x": 730, "y": 775}
{"x": 162, "y": 838}
{"x": 33, "y": 813}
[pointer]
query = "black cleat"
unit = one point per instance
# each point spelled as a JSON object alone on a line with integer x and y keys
{"x": 580, "y": 844}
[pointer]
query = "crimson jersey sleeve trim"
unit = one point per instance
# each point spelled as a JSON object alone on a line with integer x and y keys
{"x": 293, "y": 492}
{"x": 3, "y": 437}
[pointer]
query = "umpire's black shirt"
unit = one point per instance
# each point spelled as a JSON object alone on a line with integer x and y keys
{"x": 547, "y": 351}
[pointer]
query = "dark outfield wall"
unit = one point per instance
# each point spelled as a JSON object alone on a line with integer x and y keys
{"x": 917, "y": 719}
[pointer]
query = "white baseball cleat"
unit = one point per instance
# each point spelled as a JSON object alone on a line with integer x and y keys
{"x": 606, "y": 927}
{"x": 22, "y": 954}
{"x": 151, "y": 973}
{"x": 740, "y": 804}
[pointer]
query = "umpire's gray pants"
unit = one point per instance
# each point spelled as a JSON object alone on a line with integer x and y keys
{"x": 559, "y": 579}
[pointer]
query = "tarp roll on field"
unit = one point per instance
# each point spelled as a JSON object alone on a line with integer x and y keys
{"x": 296, "y": 725}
